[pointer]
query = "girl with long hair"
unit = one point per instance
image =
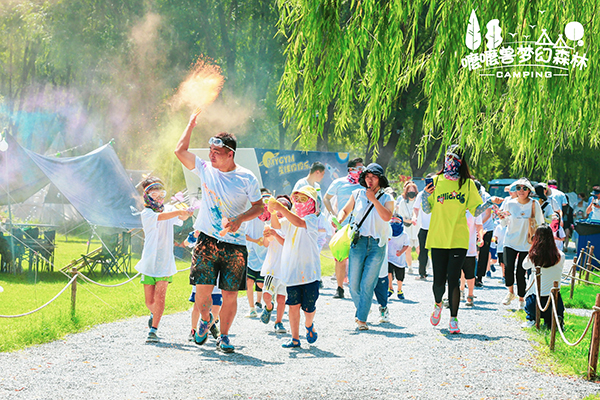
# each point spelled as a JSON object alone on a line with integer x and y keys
{"x": 544, "y": 253}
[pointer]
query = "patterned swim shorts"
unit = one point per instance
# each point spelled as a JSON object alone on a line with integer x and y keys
{"x": 213, "y": 258}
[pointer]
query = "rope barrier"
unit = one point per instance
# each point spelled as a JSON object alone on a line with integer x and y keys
{"x": 39, "y": 308}
{"x": 109, "y": 286}
{"x": 581, "y": 280}
{"x": 562, "y": 334}
{"x": 185, "y": 269}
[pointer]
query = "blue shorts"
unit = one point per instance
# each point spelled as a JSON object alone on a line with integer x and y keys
{"x": 217, "y": 298}
{"x": 306, "y": 295}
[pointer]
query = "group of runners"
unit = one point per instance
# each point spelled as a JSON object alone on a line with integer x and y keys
{"x": 245, "y": 238}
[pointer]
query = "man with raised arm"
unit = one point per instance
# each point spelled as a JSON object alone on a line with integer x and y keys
{"x": 220, "y": 253}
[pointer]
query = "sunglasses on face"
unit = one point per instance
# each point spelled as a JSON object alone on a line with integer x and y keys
{"x": 218, "y": 142}
{"x": 158, "y": 194}
{"x": 523, "y": 188}
{"x": 300, "y": 198}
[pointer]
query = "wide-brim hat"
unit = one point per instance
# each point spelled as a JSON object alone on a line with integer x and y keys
{"x": 311, "y": 192}
{"x": 524, "y": 182}
{"x": 377, "y": 170}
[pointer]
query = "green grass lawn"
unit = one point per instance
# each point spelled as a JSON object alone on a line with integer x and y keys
{"x": 584, "y": 295}
{"x": 95, "y": 304}
{"x": 565, "y": 359}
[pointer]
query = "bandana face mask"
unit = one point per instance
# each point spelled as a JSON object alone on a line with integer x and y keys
{"x": 154, "y": 196}
{"x": 265, "y": 216}
{"x": 304, "y": 208}
{"x": 451, "y": 167}
{"x": 397, "y": 228}
{"x": 354, "y": 174}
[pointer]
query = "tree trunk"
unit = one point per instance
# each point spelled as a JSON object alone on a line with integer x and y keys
{"x": 323, "y": 139}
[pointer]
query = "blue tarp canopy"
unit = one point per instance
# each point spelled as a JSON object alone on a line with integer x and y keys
{"x": 96, "y": 184}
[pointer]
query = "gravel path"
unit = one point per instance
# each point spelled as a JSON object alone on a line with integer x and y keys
{"x": 407, "y": 358}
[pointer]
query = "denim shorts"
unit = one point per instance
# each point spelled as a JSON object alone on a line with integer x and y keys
{"x": 212, "y": 258}
{"x": 306, "y": 295}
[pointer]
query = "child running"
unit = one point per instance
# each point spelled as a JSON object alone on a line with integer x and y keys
{"x": 256, "y": 257}
{"x": 396, "y": 254}
{"x": 300, "y": 256}
{"x": 157, "y": 264}
{"x": 272, "y": 271}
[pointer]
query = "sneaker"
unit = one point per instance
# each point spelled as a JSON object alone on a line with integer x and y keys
{"x": 150, "y": 320}
{"x": 252, "y": 313}
{"x": 152, "y": 338}
{"x": 192, "y": 298}
{"x": 339, "y": 294}
{"x": 453, "y": 326}
{"x": 214, "y": 330}
{"x": 390, "y": 293}
{"x": 488, "y": 274}
{"x": 469, "y": 301}
{"x": 528, "y": 324}
{"x": 435, "y": 316}
{"x": 384, "y": 315}
{"x": 291, "y": 344}
{"x": 410, "y": 271}
{"x": 202, "y": 331}
{"x": 493, "y": 268}
{"x": 258, "y": 306}
{"x": 279, "y": 328}
{"x": 478, "y": 283}
{"x": 521, "y": 304}
{"x": 224, "y": 345}
{"x": 400, "y": 295}
{"x": 420, "y": 278}
{"x": 265, "y": 317}
{"x": 192, "y": 335}
{"x": 446, "y": 303}
{"x": 508, "y": 298}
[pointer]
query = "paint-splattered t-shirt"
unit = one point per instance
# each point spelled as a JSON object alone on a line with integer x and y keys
{"x": 300, "y": 255}
{"x": 224, "y": 195}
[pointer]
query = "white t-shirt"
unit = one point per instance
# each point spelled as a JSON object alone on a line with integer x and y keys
{"x": 157, "y": 259}
{"x": 397, "y": 243}
{"x": 272, "y": 265}
{"x": 518, "y": 223}
{"x": 559, "y": 234}
{"x": 548, "y": 276}
{"x": 256, "y": 254}
{"x": 300, "y": 255}
{"x": 500, "y": 233}
{"x": 406, "y": 209}
{"x": 472, "y": 251}
{"x": 423, "y": 219}
{"x": 383, "y": 271}
{"x": 373, "y": 225}
{"x": 224, "y": 194}
{"x": 342, "y": 190}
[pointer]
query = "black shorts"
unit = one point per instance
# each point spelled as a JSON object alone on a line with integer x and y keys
{"x": 255, "y": 276}
{"x": 469, "y": 267}
{"x": 306, "y": 295}
{"x": 396, "y": 272}
{"x": 212, "y": 258}
{"x": 501, "y": 258}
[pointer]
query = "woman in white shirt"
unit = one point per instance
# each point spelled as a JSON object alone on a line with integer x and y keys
{"x": 368, "y": 252}
{"x": 405, "y": 208}
{"x": 519, "y": 210}
{"x": 544, "y": 254}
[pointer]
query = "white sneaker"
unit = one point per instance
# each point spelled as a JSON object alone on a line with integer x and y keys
{"x": 252, "y": 313}
{"x": 528, "y": 324}
{"x": 410, "y": 271}
{"x": 385, "y": 315}
{"x": 509, "y": 298}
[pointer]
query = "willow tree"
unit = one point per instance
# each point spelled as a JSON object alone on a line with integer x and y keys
{"x": 477, "y": 80}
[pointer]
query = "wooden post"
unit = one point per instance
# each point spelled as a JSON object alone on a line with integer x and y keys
{"x": 554, "y": 294}
{"x": 573, "y": 269}
{"x": 585, "y": 260}
{"x": 73, "y": 290}
{"x": 595, "y": 343}
{"x": 589, "y": 265}
{"x": 538, "y": 285}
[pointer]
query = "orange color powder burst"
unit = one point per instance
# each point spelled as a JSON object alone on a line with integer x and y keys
{"x": 201, "y": 87}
